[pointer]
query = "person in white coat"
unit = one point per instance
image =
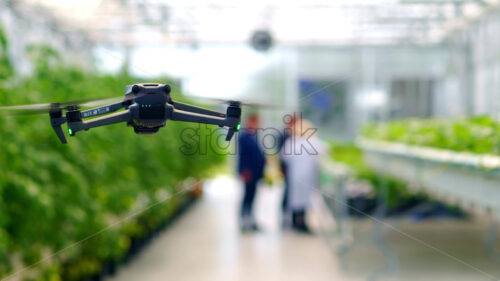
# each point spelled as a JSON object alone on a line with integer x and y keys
{"x": 301, "y": 153}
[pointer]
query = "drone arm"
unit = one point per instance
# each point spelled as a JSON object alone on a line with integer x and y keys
{"x": 232, "y": 123}
{"x": 195, "y": 109}
{"x": 104, "y": 109}
{"x": 122, "y": 116}
{"x": 186, "y": 116}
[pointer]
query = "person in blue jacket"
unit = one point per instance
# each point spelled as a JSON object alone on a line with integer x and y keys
{"x": 251, "y": 163}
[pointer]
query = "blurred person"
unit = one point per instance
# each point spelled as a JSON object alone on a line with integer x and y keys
{"x": 285, "y": 135}
{"x": 251, "y": 163}
{"x": 301, "y": 153}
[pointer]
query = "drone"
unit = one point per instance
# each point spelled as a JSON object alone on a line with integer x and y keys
{"x": 147, "y": 107}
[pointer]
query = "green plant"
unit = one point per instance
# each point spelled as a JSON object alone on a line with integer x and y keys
{"x": 53, "y": 195}
{"x": 479, "y": 135}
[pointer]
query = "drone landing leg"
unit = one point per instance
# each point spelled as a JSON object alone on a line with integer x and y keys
{"x": 56, "y": 121}
{"x": 59, "y": 132}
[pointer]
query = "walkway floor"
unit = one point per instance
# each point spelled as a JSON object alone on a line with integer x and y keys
{"x": 205, "y": 244}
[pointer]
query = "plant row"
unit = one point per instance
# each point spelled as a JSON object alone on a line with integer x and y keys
{"x": 95, "y": 197}
{"x": 479, "y": 135}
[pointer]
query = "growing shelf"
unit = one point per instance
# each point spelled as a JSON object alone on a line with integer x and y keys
{"x": 470, "y": 180}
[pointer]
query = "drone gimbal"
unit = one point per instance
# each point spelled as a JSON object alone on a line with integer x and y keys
{"x": 147, "y": 107}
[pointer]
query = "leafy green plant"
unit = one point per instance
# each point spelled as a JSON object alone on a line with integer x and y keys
{"x": 479, "y": 135}
{"x": 53, "y": 195}
{"x": 6, "y": 70}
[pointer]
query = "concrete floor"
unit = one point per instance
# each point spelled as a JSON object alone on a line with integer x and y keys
{"x": 445, "y": 250}
{"x": 205, "y": 244}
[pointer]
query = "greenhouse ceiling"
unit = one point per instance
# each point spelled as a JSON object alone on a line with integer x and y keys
{"x": 296, "y": 22}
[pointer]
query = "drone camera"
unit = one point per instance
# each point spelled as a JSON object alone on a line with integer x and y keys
{"x": 145, "y": 131}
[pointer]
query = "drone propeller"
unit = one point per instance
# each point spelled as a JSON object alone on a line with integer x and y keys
{"x": 239, "y": 103}
{"x": 43, "y": 108}
{"x": 250, "y": 103}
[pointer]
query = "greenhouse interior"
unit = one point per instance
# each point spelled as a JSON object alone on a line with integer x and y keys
{"x": 161, "y": 139}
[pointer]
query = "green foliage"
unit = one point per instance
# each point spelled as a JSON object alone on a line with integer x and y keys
{"x": 6, "y": 70}
{"x": 479, "y": 135}
{"x": 53, "y": 195}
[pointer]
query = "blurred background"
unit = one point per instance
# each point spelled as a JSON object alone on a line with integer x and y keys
{"x": 405, "y": 94}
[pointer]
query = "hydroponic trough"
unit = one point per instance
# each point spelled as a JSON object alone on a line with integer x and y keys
{"x": 468, "y": 179}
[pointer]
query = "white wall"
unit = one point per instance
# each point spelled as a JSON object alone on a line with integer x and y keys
{"x": 365, "y": 68}
{"x": 477, "y": 70}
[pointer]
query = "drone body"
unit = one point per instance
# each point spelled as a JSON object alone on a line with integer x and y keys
{"x": 147, "y": 107}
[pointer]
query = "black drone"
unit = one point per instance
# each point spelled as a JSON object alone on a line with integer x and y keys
{"x": 147, "y": 107}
